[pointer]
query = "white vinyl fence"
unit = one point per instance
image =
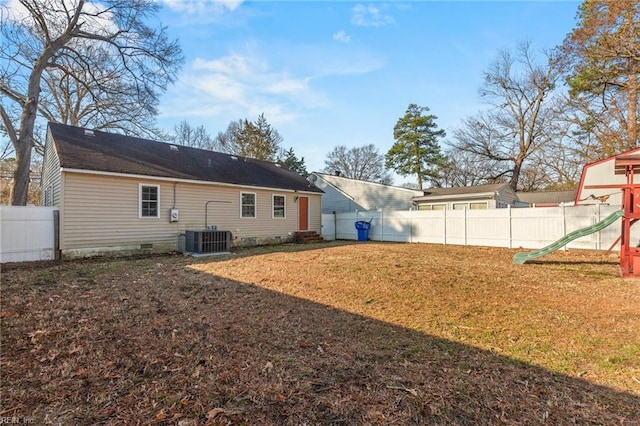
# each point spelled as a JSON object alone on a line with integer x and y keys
{"x": 28, "y": 233}
{"x": 512, "y": 227}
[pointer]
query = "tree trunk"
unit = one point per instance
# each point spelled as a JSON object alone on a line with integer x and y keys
{"x": 632, "y": 109}
{"x": 23, "y": 147}
{"x": 419, "y": 164}
{"x": 24, "y": 143}
{"x": 632, "y": 82}
{"x": 20, "y": 188}
{"x": 515, "y": 176}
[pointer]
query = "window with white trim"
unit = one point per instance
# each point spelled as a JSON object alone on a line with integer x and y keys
{"x": 247, "y": 204}
{"x": 149, "y": 200}
{"x": 279, "y": 206}
{"x": 432, "y": 207}
{"x": 479, "y": 205}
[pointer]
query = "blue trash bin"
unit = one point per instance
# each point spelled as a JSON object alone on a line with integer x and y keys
{"x": 363, "y": 230}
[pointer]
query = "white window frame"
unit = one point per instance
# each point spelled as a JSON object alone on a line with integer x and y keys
{"x": 432, "y": 207}
{"x": 255, "y": 205}
{"x": 140, "y": 201}
{"x": 478, "y": 203}
{"x": 273, "y": 206}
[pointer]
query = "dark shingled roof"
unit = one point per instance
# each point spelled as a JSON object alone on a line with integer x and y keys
{"x": 109, "y": 152}
{"x": 460, "y": 192}
{"x": 548, "y": 197}
{"x": 463, "y": 190}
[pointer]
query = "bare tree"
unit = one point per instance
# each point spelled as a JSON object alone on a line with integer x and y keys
{"x": 362, "y": 163}
{"x": 464, "y": 168}
{"x": 519, "y": 121}
{"x": 57, "y": 38}
{"x": 101, "y": 99}
{"x": 196, "y": 137}
{"x": 598, "y": 131}
{"x": 559, "y": 164}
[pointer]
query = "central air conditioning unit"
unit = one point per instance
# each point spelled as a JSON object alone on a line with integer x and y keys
{"x": 207, "y": 241}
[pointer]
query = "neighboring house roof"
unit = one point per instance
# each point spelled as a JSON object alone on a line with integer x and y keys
{"x": 548, "y": 197}
{"x": 344, "y": 184}
{"x": 346, "y": 194}
{"x": 463, "y": 192}
{"x": 93, "y": 150}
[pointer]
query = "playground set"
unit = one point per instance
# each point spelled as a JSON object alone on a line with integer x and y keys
{"x": 628, "y": 165}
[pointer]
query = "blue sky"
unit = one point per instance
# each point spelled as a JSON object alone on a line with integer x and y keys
{"x": 342, "y": 73}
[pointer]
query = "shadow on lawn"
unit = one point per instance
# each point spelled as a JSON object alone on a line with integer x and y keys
{"x": 169, "y": 345}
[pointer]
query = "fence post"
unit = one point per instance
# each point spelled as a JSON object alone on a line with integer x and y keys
{"x": 510, "y": 226}
{"x": 445, "y": 225}
{"x": 564, "y": 226}
{"x": 598, "y": 236}
{"x": 57, "y": 255}
{"x": 410, "y": 227}
{"x": 465, "y": 224}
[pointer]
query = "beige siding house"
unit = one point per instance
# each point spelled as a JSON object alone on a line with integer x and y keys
{"x": 123, "y": 194}
{"x": 491, "y": 196}
{"x": 343, "y": 194}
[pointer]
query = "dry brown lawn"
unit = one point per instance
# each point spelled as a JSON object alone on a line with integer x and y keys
{"x": 334, "y": 333}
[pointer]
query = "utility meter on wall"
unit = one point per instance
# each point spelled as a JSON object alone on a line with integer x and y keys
{"x": 173, "y": 215}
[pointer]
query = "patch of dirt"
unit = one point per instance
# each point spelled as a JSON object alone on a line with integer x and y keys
{"x": 334, "y": 333}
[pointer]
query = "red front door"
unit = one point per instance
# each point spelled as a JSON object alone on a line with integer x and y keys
{"x": 303, "y": 213}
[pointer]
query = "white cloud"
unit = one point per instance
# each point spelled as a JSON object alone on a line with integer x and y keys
{"x": 284, "y": 81}
{"x": 16, "y": 10}
{"x": 233, "y": 64}
{"x": 93, "y": 17}
{"x": 342, "y": 37}
{"x": 218, "y": 87}
{"x": 240, "y": 86}
{"x": 198, "y": 7}
{"x": 371, "y": 16}
{"x": 286, "y": 85}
